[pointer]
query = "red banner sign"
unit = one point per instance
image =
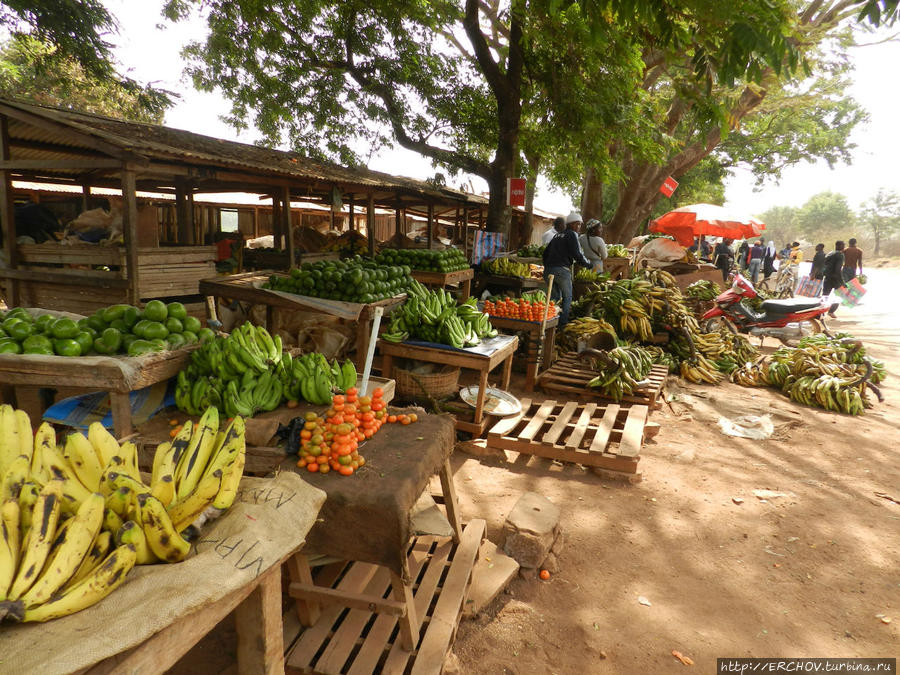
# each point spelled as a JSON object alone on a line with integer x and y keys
{"x": 668, "y": 186}
{"x": 515, "y": 191}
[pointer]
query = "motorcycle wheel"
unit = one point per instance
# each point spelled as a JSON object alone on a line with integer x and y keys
{"x": 713, "y": 325}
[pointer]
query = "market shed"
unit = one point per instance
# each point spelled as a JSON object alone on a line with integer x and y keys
{"x": 51, "y": 145}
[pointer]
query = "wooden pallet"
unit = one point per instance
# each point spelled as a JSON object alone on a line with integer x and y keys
{"x": 357, "y": 641}
{"x": 607, "y": 436}
{"x": 570, "y": 375}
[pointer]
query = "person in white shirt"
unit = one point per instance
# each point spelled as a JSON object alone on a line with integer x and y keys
{"x": 559, "y": 224}
{"x": 592, "y": 245}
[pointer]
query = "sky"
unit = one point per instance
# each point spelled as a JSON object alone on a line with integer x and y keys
{"x": 152, "y": 54}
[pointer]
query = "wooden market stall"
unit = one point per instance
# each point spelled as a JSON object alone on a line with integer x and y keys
{"x": 53, "y": 146}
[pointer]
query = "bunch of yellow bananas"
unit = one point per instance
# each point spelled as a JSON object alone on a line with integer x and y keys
{"x": 749, "y": 375}
{"x": 699, "y": 370}
{"x": 74, "y": 519}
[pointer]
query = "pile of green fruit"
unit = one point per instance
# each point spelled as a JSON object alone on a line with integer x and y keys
{"x": 617, "y": 251}
{"x": 504, "y": 267}
{"x": 448, "y": 260}
{"x": 247, "y": 372}
{"x": 584, "y": 274}
{"x": 434, "y": 316}
{"x": 118, "y": 329}
{"x": 351, "y": 280}
{"x": 531, "y": 251}
{"x": 703, "y": 289}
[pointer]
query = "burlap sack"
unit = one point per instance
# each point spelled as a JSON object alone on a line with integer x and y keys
{"x": 267, "y": 522}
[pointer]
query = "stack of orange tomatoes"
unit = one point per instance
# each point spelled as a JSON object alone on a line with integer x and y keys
{"x": 520, "y": 308}
{"x": 330, "y": 442}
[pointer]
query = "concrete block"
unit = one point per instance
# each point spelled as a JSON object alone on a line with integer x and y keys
{"x": 490, "y": 576}
{"x": 531, "y": 529}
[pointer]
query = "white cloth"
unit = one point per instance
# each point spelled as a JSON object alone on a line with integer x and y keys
{"x": 594, "y": 249}
{"x": 547, "y": 236}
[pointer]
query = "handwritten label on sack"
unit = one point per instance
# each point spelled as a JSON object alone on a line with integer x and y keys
{"x": 274, "y": 496}
{"x": 233, "y": 549}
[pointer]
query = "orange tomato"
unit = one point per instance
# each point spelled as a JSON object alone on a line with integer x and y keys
{"x": 173, "y": 423}
{"x": 312, "y": 467}
{"x": 306, "y": 434}
{"x": 352, "y": 391}
{"x": 292, "y": 403}
{"x": 378, "y": 393}
{"x": 174, "y": 432}
{"x": 545, "y": 574}
{"x": 362, "y": 460}
{"x": 413, "y": 417}
{"x": 392, "y": 418}
{"x": 346, "y": 470}
{"x": 324, "y": 468}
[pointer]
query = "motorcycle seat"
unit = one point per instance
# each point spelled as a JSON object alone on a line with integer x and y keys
{"x": 789, "y": 305}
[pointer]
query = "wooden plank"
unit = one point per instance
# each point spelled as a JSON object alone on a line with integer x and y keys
{"x": 436, "y": 641}
{"x": 312, "y": 639}
{"x": 90, "y": 279}
{"x": 581, "y": 426}
{"x": 298, "y": 569}
{"x": 51, "y": 164}
{"x": 129, "y": 230}
{"x": 507, "y": 424}
{"x": 537, "y": 421}
{"x": 564, "y": 454}
{"x": 311, "y": 592}
{"x": 260, "y": 644}
{"x": 409, "y": 623}
{"x": 348, "y": 633}
{"x": 633, "y": 434}
{"x": 376, "y": 642}
{"x": 604, "y": 429}
{"x": 559, "y": 425}
{"x": 7, "y": 215}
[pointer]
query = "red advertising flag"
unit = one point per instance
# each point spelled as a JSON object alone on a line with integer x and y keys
{"x": 515, "y": 191}
{"x": 668, "y": 186}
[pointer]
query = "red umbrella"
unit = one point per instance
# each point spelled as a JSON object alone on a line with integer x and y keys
{"x": 692, "y": 221}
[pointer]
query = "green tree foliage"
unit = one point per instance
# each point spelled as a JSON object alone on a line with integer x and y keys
{"x": 50, "y": 41}
{"x": 881, "y": 215}
{"x": 34, "y": 71}
{"x": 825, "y": 212}
{"x": 781, "y": 224}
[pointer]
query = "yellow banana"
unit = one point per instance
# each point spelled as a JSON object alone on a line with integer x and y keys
{"x": 230, "y": 482}
{"x": 193, "y": 462}
{"x": 9, "y": 544}
{"x": 103, "y": 442}
{"x": 105, "y": 578}
{"x": 80, "y": 455}
{"x": 79, "y": 535}
{"x": 45, "y": 435}
{"x": 112, "y": 521}
{"x": 9, "y": 437}
{"x": 15, "y": 477}
{"x": 26, "y": 438}
{"x": 163, "y": 452}
{"x": 133, "y": 534}
{"x": 128, "y": 451}
{"x": 164, "y": 489}
{"x": 232, "y": 444}
{"x": 185, "y": 511}
{"x": 162, "y": 538}
{"x": 103, "y": 542}
{"x": 42, "y": 533}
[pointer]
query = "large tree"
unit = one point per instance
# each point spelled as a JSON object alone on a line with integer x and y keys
{"x": 35, "y": 71}
{"x": 822, "y": 213}
{"x": 798, "y": 116}
{"x": 50, "y": 41}
{"x": 468, "y": 83}
{"x": 881, "y": 214}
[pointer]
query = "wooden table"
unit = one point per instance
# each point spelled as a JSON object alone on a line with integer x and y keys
{"x": 540, "y": 343}
{"x": 244, "y": 288}
{"x": 516, "y": 284}
{"x": 27, "y": 375}
{"x": 462, "y": 278}
{"x": 484, "y": 364}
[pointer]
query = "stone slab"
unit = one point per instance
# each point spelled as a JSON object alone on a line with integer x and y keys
{"x": 490, "y": 576}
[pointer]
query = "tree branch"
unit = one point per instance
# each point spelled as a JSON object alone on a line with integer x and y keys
{"x": 482, "y": 50}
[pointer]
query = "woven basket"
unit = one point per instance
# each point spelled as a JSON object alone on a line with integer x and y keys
{"x": 436, "y": 385}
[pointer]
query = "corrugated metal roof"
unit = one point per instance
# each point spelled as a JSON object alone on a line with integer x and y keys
{"x": 160, "y": 143}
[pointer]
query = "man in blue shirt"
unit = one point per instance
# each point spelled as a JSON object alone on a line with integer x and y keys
{"x": 757, "y": 252}
{"x": 559, "y": 255}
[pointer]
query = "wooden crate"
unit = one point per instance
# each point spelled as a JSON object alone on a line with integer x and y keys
{"x": 357, "y": 641}
{"x": 570, "y": 375}
{"x": 607, "y": 437}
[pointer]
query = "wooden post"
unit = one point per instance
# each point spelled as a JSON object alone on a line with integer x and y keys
{"x": 430, "y": 224}
{"x": 8, "y": 215}
{"x": 370, "y": 223}
{"x": 277, "y": 234}
{"x": 85, "y": 196}
{"x": 352, "y": 222}
{"x": 129, "y": 225}
{"x": 189, "y": 215}
{"x": 397, "y": 217}
{"x": 181, "y": 218}
{"x": 255, "y": 222}
{"x": 287, "y": 225}
{"x": 331, "y": 218}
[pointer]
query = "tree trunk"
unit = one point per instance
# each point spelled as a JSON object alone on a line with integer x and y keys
{"x": 592, "y": 197}
{"x": 877, "y": 243}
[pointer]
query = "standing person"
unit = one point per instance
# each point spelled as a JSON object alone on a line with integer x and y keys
{"x": 559, "y": 224}
{"x": 724, "y": 257}
{"x": 756, "y": 258}
{"x": 743, "y": 255}
{"x": 817, "y": 271}
{"x": 559, "y": 255}
{"x": 769, "y": 259}
{"x": 795, "y": 257}
{"x": 852, "y": 260}
{"x": 592, "y": 245}
{"x": 834, "y": 263}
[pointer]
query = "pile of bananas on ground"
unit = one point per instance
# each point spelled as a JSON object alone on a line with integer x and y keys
{"x": 703, "y": 289}
{"x": 831, "y": 373}
{"x": 247, "y": 372}
{"x": 728, "y": 351}
{"x": 75, "y": 518}
{"x": 504, "y": 267}
{"x": 434, "y": 316}
{"x": 621, "y": 369}
{"x": 617, "y": 251}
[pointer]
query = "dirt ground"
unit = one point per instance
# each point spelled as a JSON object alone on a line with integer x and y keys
{"x": 812, "y": 574}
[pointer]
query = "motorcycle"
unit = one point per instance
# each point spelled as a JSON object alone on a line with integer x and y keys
{"x": 774, "y": 320}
